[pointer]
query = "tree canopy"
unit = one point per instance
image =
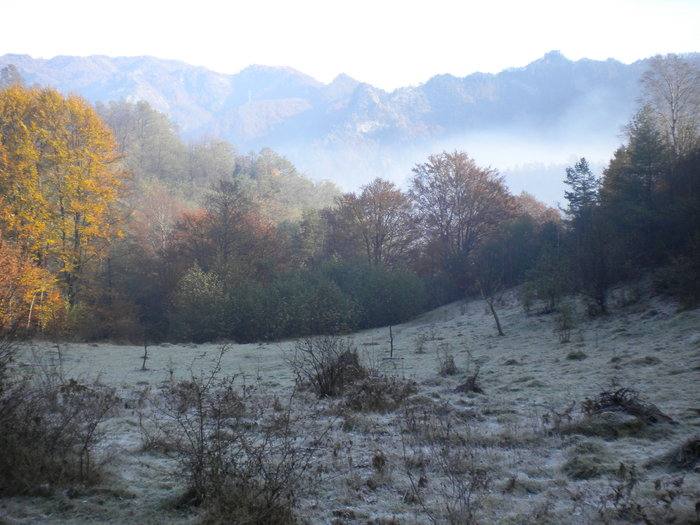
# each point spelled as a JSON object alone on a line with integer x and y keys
{"x": 214, "y": 244}
{"x": 460, "y": 204}
{"x": 60, "y": 179}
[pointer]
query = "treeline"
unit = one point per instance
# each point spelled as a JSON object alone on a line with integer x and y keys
{"x": 644, "y": 211}
{"x": 113, "y": 227}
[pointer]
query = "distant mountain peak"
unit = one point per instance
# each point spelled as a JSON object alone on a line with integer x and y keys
{"x": 344, "y": 80}
{"x": 551, "y": 58}
{"x": 554, "y": 54}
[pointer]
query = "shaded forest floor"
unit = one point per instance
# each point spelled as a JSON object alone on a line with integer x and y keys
{"x": 527, "y": 449}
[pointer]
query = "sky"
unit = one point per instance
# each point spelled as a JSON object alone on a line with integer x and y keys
{"x": 386, "y": 43}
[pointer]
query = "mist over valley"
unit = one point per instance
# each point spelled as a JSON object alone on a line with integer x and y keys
{"x": 528, "y": 122}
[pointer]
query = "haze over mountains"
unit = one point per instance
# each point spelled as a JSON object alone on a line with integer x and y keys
{"x": 527, "y": 122}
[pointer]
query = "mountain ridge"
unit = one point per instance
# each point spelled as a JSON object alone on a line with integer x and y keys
{"x": 349, "y": 131}
{"x": 163, "y": 82}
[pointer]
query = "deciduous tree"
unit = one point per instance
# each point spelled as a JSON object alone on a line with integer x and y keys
{"x": 147, "y": 138}
{"x": 60, "y": 180}
{"x": 460, "y": 203}
{"x": 29, "y": 296}
{"x": 671, "y": 87}
{"x": 382, "y": 216}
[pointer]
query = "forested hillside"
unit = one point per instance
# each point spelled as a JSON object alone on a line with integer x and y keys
{"x": 113, "y": 227}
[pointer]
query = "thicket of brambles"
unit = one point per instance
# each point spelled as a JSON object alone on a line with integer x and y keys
{"x": 112, "y": 227}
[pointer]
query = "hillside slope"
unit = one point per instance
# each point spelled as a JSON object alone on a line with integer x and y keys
{"x": 537, "y": 458}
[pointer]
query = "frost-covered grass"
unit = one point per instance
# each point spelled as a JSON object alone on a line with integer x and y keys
{"x": 521, "y": 452}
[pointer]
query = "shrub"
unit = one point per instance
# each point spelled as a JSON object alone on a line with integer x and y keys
{"x": 680, "y": 278}
{"x": 325, "y": 364}
{"x": 8, "y": 350}
{"x": 462, "y": 478}
{"x": 253, "y": 312}
{"x": 315, "y": 305}
{"x": 446, "y": 363}
{"x": 688, "y": 454}
{"x": 547, "y": 282}
{"x": 564, "y": 323}
{"x": 198, "y": 306}
{"x": 239, "y": 454}
{"x": 587, "y": 460}
{"x": 378, "y": 393}
{"x": 685, "y": 456}
{"x": 51, "y": 430}
{"x": 382, "y": 297}
{"x": 390, "y": 297}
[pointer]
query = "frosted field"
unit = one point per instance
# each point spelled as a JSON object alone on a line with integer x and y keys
{"x": 523, "y": 453}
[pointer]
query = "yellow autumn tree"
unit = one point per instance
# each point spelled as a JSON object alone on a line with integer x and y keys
{"x": 22, "y": 211}
{"x": 60, "y": 181}
{"x": 29, "y": 296}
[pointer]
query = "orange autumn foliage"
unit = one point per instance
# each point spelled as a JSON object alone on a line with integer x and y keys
{"x": 250, "y": 240}
{"x": 29, "y": 297}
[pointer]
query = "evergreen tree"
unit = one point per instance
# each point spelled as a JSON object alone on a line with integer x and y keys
{"x": 634, "y": 193}
{"x": 583, "y": 196}
{"x": 588, "y": 235}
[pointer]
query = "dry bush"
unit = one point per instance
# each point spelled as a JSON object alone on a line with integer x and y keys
{"x": 421, "y": 341}
{"x": 446, "y": 362}
{"x": 619, "y": 413}
{"x": 424, "y": 337}
{"x": 378, "y": 393}
{"x": 471, "y": 384}
{"x": 460, "y": 477}
{"x": 663, "y": 500}
{"x": 555, "y": 418}
{"x": 326, "y": 365}
{"x": 625, "y": 400}
{"x": 240, "y": 453}
{"x": 51, "y": 430}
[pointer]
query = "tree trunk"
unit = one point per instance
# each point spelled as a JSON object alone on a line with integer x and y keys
{"x": 391, "y": 342}
{"x": 489, "y": 301}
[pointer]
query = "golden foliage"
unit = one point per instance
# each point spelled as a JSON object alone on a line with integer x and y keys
{"x": 29, "y": 297}
{"x": 59, "y": 180}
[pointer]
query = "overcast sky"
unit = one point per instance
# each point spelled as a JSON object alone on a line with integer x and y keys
{"x": 384, "y": 42}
